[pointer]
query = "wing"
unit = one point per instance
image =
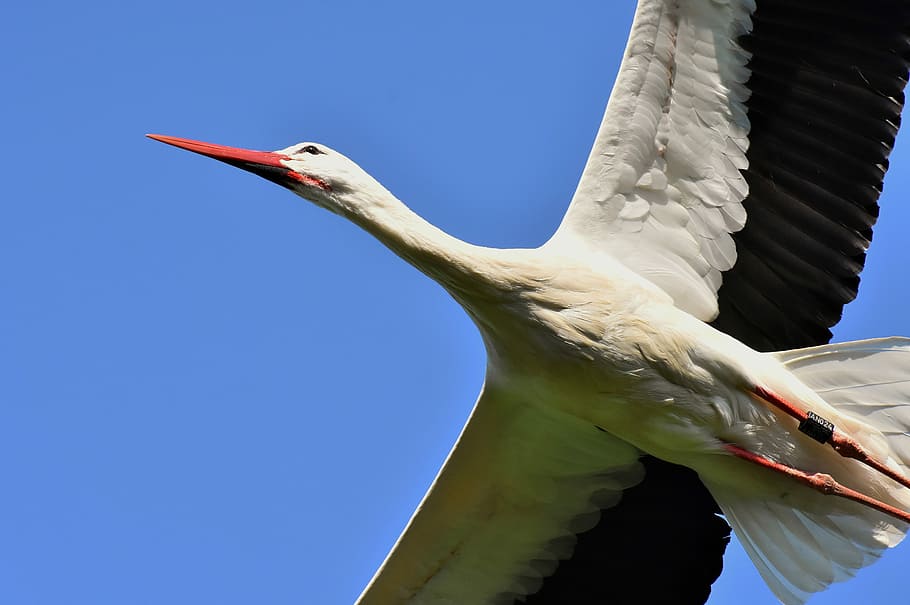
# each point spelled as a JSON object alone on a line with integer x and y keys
{"x": 779, "y": 118}
{"x": 662, "y": 189}
{"x": 516, "y": 488}
{"x": 827, "y": 92}
{"x": 667, "y": 527}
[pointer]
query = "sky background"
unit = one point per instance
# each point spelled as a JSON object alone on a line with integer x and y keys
{"x": 214, "y": 392}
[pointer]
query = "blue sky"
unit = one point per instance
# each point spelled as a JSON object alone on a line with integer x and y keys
{"x": 214, "y": 392}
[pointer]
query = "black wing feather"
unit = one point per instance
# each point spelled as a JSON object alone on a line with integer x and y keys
{"x": 827, "y": 92}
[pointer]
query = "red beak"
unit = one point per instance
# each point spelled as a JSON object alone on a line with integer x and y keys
{"x": 230, "y": 155}
{"x": 266, "y": 164}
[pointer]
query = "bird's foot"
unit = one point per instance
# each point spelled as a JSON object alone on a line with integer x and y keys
{"x": 824, "y": 431}
{"x": 820, "y": 482}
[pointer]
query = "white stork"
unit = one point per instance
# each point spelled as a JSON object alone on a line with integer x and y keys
{"x": 725, "y": 209}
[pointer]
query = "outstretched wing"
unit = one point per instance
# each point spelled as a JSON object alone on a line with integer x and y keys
{"x": 517, "y": 487}
{"x": 662, "y": 190}
{"x": 772, "y": 114}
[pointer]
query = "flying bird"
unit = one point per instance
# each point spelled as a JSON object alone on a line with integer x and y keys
{"x": 663, "y": 357}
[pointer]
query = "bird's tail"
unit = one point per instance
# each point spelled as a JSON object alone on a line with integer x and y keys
{"x": 802, "y": 541}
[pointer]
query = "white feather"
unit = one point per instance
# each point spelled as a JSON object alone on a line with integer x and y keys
{"x": 519, "y": 484}
{"x": 674, "y": 135}
{"x": 803, "y": 541}
{"x": 867, "y": 379}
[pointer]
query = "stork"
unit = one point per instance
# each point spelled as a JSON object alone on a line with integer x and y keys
{"x": 649, "y": 361}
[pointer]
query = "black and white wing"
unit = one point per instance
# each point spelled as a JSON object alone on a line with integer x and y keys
{"x": 741, "y": 156}
{"x": 517, "y": 487}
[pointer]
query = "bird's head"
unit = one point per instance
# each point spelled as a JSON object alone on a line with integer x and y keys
{"x": 332, "y": 181}
{"x": 311, "y": 170}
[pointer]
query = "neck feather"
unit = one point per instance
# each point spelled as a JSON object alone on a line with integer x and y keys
{"x": 460, "y": 267}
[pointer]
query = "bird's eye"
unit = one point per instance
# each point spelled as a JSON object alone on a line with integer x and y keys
{"x": 311, "y": 149}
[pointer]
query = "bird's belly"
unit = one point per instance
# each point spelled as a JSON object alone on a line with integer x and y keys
{"x": 667, "y": 398}
{"x": 665, "y": 420}
{"x": 651, "y": 375}
{"x": 645, "y": 409}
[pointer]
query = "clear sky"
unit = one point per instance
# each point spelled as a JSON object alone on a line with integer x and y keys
{"x": 214, "y": 392}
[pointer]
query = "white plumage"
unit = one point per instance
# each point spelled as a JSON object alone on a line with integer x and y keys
{"x": 662, "y": 189}
{"x": 597, "y": 342}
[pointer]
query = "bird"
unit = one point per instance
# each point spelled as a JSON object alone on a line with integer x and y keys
{"x": 662, "y": 356}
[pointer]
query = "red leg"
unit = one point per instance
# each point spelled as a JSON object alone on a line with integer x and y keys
{"x": 819, "y": 482}
{"x": 842, "y": 444}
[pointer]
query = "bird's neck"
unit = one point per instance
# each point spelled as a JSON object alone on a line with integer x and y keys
{"x": 462, "y": 268}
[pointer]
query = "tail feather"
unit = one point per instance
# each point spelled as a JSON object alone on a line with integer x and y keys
{"x": 866, "y": 379}
{"x": 803, "y": 541}
{"x": 796, "y": 552}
